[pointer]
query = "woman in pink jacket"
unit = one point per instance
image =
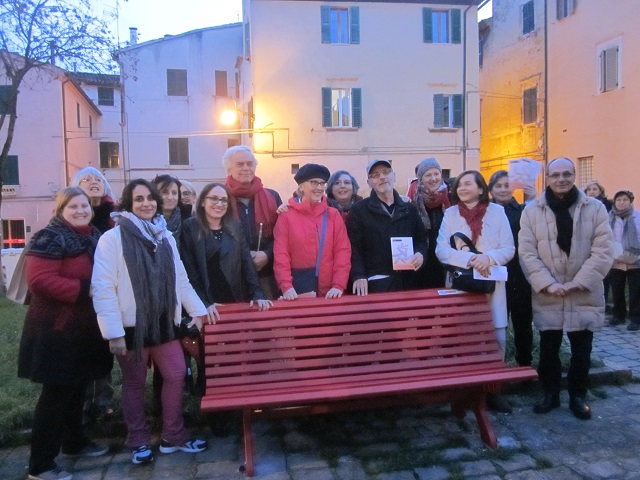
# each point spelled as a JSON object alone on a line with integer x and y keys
{"x": 311, "y": 249}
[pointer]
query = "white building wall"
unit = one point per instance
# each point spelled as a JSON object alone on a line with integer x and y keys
{"x": 398, "y": 75}
{"x": 152, "y": 116}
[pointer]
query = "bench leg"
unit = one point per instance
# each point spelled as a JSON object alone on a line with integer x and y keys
{"x": 484, "y": 423}
{"x": 248, "y": 444}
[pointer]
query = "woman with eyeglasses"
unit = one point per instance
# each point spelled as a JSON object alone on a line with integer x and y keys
{"x": 216, "y": 255}
{"x": 342, "y": 192}
{"x": 312, "y": 252}
{"x": 99, "y": 394}
{"x": 96, "y": 186}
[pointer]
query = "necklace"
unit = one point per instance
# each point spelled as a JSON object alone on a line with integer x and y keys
{"x": 217, "y": 234}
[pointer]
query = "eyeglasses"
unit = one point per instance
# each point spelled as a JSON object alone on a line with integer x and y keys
{"x": 218, "y": 200}
{"x": 316, "y": 184}
{"x": 385, "y": 171}
{"x": 564, "y": 175}
{"x": 346, "y": 183}
{"x": 91, "y": 179}
{"x": 186, "y": 193}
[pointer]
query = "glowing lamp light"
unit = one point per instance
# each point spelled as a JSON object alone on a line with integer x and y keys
{"x": 229, "y": 117}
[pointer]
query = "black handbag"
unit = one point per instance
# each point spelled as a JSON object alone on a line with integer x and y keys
{"x": 462, "y": 278}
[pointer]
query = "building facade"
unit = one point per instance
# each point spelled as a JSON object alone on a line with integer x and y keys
{"x": 348, "y": 82}
{"x": 557, "y": 79}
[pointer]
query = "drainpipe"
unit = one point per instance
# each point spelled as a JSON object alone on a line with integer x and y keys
{"x": 65, "y": 139}
{"x": 546, "y": 95}
{"x": 464, "y": 88}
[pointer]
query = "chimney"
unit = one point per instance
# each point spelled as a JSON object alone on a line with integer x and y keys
{"x": 133, "y": 36}
{"x": 53, "y": 51}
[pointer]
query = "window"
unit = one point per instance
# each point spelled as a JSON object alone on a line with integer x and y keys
{"x": 447, "y": 111}
{"x": 609, "y": 68}
{"x": 530, "y": 105}
{"x": 528, "y": 22}
{"x": 247, "y": 41}
{"x": 90, "y": 126}
{"x": 176, "y": 83}
{"x": 7, "y": 107}
{"x": 585, "y": 170}
{"x": 441, "y": 26}
{"x": 105, "y": 96}
{"x": 221, "y": 84}
{"x": 10, "y": 173}
{"x": 178, "y": 151}
{"x": 109, "y": 155}
{"x": 78, "y": 114}
{"x": 565, "y": 8}
{"x": 13, "y": 233}
{"x": 341, "y": 107}
{"x": 340, "y": 25}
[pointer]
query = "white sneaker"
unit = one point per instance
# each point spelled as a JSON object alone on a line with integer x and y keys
{"x": 142, "y": 455}
{"x": 192, "y": 446}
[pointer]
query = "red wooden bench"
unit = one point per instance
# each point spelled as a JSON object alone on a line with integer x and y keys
{"x": 316, "y": 356}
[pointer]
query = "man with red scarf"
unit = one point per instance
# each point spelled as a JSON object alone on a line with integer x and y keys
{"x": 256, "y": 209}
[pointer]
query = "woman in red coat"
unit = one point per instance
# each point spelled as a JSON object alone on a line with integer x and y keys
{"x": 61, "y": 345}
{"x": 300, "y": 231}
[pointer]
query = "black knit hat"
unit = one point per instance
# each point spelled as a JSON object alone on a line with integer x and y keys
{"x": 311, "y": 170}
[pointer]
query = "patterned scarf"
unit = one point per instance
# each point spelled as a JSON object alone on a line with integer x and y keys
{"x": 59, "y": 239}
{"x": 473, "y": 217}
{"x": 425, "y": 199}
{"x": 630, "y": 242}
{"x": 560, "y": 207}
{"x": 149, "y": 259}
{"x": 264, "y": 204}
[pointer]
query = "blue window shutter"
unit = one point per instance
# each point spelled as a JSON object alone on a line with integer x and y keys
{"x": 427, "y": 26}
{"x": 356, "y": 106}
{"x": 326, "y": 107}
{"x": 438, "y": 110}
{"x": 456, "y": 26}
{"x": 354, "y": 20}
{"x": 325, "y": 16}
{"x": 10, "y": 172}
{"x": 458, "y": 111}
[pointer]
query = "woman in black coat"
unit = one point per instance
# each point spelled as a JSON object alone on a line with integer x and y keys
{"x": 216, "y": 255}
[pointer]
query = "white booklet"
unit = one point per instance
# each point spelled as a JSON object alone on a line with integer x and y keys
{"x": 401, "y": 252}
{"x": 497, "y": 273}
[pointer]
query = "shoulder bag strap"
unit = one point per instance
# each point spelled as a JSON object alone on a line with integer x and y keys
{"x": 465, "y": 239}
{"x": 324, "y": 232}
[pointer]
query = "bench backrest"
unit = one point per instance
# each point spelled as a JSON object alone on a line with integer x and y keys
{"x": 309, "y": 340}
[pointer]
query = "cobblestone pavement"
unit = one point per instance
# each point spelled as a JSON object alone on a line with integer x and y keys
{"x": 411, "y": 443}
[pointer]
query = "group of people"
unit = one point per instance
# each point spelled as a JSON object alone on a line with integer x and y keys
{"x": 624, "y": 220}
{"x": 121, "y": 278}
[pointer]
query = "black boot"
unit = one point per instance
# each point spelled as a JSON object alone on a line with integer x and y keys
{"x": 580, "y": 407}
{"x": 548, "y": 402}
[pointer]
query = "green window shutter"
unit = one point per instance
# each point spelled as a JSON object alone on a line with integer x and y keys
{"x": 356, "y": 106}
{"x": 325, "y": 16}
{"x": 326, "y": 107}
{"x": 438, "y": 110}
{"x": 458, "y": 111}
{"x": 354, "y": 20}
{"x": 10, "y": 173}
{"x": 427, "y": 26}
{"x": 456, "y": 26}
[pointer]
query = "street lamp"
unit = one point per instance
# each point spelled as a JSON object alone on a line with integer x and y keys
{"x": 230, "y": 114}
